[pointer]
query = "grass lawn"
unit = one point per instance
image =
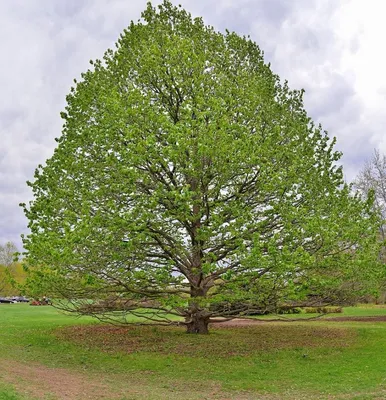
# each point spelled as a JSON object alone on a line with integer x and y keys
{"x": 48, "y": 355}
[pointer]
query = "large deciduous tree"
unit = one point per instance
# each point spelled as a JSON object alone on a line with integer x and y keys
{"x": 190, "y": 182}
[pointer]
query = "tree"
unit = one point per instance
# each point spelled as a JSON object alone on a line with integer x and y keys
{"x": 8, "y": 265}
{"x": 372, "y": 178}
{"x": 7, "y": 254}
{"x": 188, "y": 179}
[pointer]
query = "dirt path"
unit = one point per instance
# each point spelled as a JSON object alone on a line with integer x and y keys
{"x": 253, "y": 322}
{"x": 38, "y": 382}
{"x": 379, "y": 318}
{"x": 239, "y": 322}
{"x": 42, "y": 382}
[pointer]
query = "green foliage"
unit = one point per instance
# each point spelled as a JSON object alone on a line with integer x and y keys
{"x": 11, "y": 271}
{"x": 11, "y": 277}
{"x": 188, "y": 174}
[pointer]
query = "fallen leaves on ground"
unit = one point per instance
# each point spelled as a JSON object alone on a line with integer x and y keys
{"x": 221, "y": 342}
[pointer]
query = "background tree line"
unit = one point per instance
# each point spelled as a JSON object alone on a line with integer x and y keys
{"x": 11, "y": 270}
{"x": 372, "y": 179}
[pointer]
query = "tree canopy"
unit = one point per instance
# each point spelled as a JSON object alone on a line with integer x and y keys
{"x": 190, "y": 182}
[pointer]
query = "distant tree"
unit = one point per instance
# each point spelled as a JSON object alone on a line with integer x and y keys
{"x": 188, "y": 179}
{"x": 7, "y": 254}
{"x": 372, "y": 178}
{"x": 3, "y": 280}
{"x": 7, "y": 265}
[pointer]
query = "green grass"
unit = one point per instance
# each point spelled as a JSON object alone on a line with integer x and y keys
{"x": 365, "y": 310}
{"x": 8, "y": 393}
{"x": 295, "y": 360}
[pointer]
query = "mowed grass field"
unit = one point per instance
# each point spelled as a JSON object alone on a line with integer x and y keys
{"x": 45, "y": 354}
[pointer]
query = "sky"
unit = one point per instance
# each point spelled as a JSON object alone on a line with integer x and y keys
{"x": 333, "y": 49}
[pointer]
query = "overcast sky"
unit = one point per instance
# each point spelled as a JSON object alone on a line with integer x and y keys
{"x": 334, "y": 49}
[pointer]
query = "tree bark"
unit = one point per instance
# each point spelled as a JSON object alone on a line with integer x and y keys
{"x": 198, "y": 324}
{"x": 197, "y": 319}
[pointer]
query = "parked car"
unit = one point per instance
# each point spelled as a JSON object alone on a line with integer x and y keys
{"x": 7, "y": 300}
{"x": 20, "y": 299}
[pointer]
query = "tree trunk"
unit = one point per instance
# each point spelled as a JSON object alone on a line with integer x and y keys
{"x": 198, "y": 324}
{"x": 197, "y": 318}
